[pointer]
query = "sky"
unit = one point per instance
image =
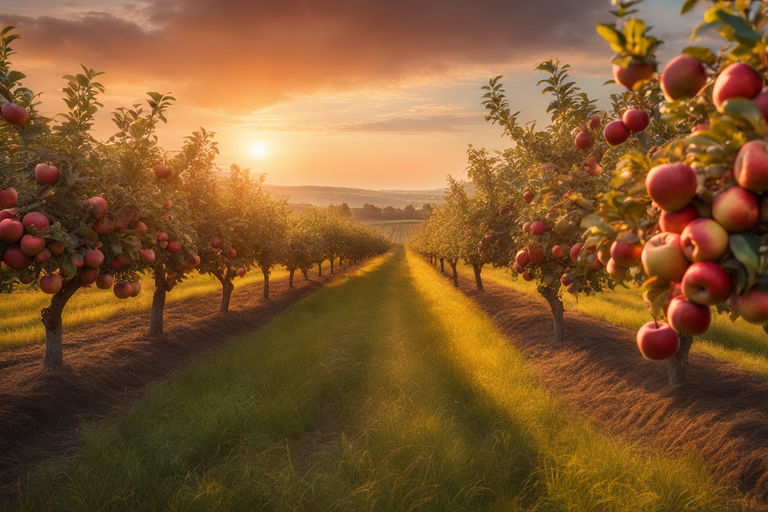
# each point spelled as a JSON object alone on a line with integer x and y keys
{"x": 382, "y": 94}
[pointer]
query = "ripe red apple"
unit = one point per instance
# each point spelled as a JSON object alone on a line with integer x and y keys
{"x": 36, "y": 219}
{"x": 163, "y": 171}
{"x": 538, "y": 228}
{"x": 232, "y": 253}
{"x": 752, "y": 306}
{"x": 558, "y": 252}
{"x": 173, "y": 247}
{"x": 575, "y": 251}
{"x": 135, "y": 288}
{"x": 518, "y": 268}
{"x": 241, "y": 272}
{"x": 162, "y": 236}
{"x": 215, "y": 242}
{"x": 657, "y": 341}
{"x": 77, "y": 260}
{"x": 663, "y": 257}
{"x": 683, "y": 77}
{"x": 192, "y": 260}
{"x": 522, "y": 258}
{"x": 527, "y": 276}
{"x": 616, "y": 271}
{"x": 566, "y": 279}
{"x": 616, "y": 132}
{"x": 88, "y": 275}
{"x": 56, "y": 247}
{"x": 636, "y": 120}
{"x": 706, "y": 283}
{"x": 31, "y": 244}
{"x": 751, "y": 166}
{"x": 8, "y": 197}
{"x": 147, "y": 256}
{"x": 594, "y": 122}
{"x": 9, "y": 213}
{"x": 536, "y": 254}
{"x": 527, "y": 227}
{"x": 168, "y": 204}
{"x": 140, "y": 228}
{"x": 675, "y": 222}
{"x": 687, "y": 317}
{"x": 11, "y": 230}
{"x": 46, "y": 174}
{"x": 43, "y": 256}
{"x": 98, "y": 206}
{"x": 625, "y": 254}
{"x": 105, "y": 281}
{"x": 14, "y": 114}
{"x": 736, "y": 209}
{"x": 636, "y": 71}
{"x": 738, "y": 80}
{"x": 50, "y": 283}
{"x": 761, "y": 100}
{"x": 14, "y": 258}
{"x": 671, "y": 186}
{"x": 528, "y": 196}
{"x": 94, "y": 258}
{"x": 584, "y": 140}
{"x": 704, "y": 240}
{"x": 122, "y": 289}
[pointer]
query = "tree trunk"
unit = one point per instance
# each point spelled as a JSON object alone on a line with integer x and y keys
{"x": 331, "y": 264}
{"x": 556, "y": 305}
{"x": 442, "y": 264}
{"x": 304, "y": 271}
{"x": 265, "y": 273}
{"x": 226, "y": 294}
{"x": 290, "y": 277}
{"x": 320, "y": 269}
{"x": 455, "y": 274}
{"x": 51, "y": 317}
{"x": 677, "y": 365}
{"x": 476, "y": 267}
{"x": 158, "y": 303}
{"x": 340, "y": 258}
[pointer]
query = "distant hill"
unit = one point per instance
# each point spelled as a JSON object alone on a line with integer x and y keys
{"x": 354, "y": 197}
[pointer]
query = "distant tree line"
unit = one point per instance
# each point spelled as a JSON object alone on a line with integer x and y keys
{"x": 372, "y": 212}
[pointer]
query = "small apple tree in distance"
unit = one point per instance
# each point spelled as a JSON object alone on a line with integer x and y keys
{"x": 704, "y": 215}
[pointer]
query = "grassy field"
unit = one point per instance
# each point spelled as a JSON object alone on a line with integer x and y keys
{"x": 398, "y": 231}
{"x": 20, "y": 312}
{"x": 388, "y": 391}
{"x": 741, "y": 343}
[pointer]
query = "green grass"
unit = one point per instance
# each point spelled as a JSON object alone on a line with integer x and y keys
{"x": 738, "y": 342}
{"x": 20, "y": 311}
{"x": 389, "y": 391}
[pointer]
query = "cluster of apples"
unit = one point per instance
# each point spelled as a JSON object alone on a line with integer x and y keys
{"x": 695, "y": 236}
{"x": 633, "y": 121}
{"x": 226, "y": 252}
{"x": 584, "y": 139}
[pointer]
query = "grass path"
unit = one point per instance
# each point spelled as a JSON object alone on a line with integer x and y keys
{"x": 387, "y": 391}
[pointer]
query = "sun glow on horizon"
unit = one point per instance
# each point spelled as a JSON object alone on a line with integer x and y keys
{"x": 258, "y": 149}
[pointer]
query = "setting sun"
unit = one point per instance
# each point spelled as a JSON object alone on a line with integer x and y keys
{"x": 259, "y": 149}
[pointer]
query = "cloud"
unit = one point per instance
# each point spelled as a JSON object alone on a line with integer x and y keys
{"x": 245, "y": 55}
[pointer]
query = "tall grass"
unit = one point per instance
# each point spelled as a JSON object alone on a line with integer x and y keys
{"x": 390, "y": 391}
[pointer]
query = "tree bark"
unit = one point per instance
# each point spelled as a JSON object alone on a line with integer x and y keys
{"x": 678, "y": 364}
{"x": 226, "y": 294}
{"x": 290, "y": 277}
{"x": 476, "y": 267}
{"x": 442, "y": 264}
{"x": 320, "y": 269}
{"x": 158, "y": 303}
{"x": 556, "y": 305}
{"x": 455, "y": 274}
{"x": 51, "y": 318}
{"x": 265, "y": 273}
{"x": 331, "y": 264}
{"x": 304, "y": 271}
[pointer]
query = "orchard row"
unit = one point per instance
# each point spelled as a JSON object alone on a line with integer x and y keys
{"x": 668, "y": 187}
{"x": 79, "y": 212}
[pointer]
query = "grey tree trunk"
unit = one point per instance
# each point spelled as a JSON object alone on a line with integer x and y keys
{"x": 476, "y": 267}
{"x": 265, "y": 273}
{"x": 290, "y": 277}
{"x": 677, "y": 365}
{"x": 556, "y": 305}
{"x": 158, "y": 303}
{"x": 51, "y": 317}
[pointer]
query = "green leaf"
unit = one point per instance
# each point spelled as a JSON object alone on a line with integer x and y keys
{"x": 741, "y": 29}
{"x": 703, "y": 27}
{"x": 701, "y": 53}
{"x": 745, "y": 248}
{"x": 89, "y": 233}
{"x": 612, "y": 36}
{"x": 688, "y": 5}
{"x": 655, "y": 294}
{"x": 748, "y": 111}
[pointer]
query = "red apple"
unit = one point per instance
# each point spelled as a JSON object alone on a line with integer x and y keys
{"x": 104, "y": 226}
{"x": 162, "y": 236}
{"x": 584, "y": 140}
{"x": 558, "y": 252}
{"x": 105, "y": 281}
{"x": 98, "y": 206}
{"x": 706, "y": 283}
{"x": 527, "y": 276}
{"x": 738, "y": 80}
{"x": 43, "y": 256}
{"x": 636, "y": 71}
{"x": 11, "y": 230}
{"x": 616, "y": 271}
{"x": 704, "y": 240}
{"x": 36, "y": 219}
{"x": 736, "y": 209}
{"x": 122, "y": 289}
{"x": 31, "y": 244}
{"x": 50, "y": 283}
{"x": 663, "y": 257}
{"x": 173, "y": 247}
{"x": 8, "y": 197}
{"x": 94, "y": 258}
{"x": 657, "y": 341}
{"x": 46, "y": 174}
{"x": 14, "y": 114}
{"x": 168, "y": 204}
{"x": 575, "y": 251}
{"x": 241, "y": 272}
{"x": 675, "y": 222}
{"x": 527, "y": 227}
{"x": 56, "y": 247}
{"x": 77, "y": 260}
{"x": 566, "y": 279}
{"x": 751, "y": 166}
{"x": 16, "y": 259}
{"x": 522, "y": 258}
{"x": 88, "y": 275}
{"x": 9, "y": 213}
{"x": 625, "y": 254}
{"x": 687, "y": 317}
{"x": 518, "y": 268}
{"x": 616, "y": 132}
{"x": 140, "y": 228}
{"x": 538, "y": 228}
{"x": 636, "y": 120}
{"x": 683, "y": 77}
{"x": 135, "y": 288}
{"x": 594, "y": 122}
{"x": 528, "y": 196}
{"x": 192, "y": 260}
{"x": 215, "y": 242}
{"x": 232, "y": 253}
{"x": 594, "y": 262}
{"x": 147, "y": 256}
{"x": 163, "y": 171}
{"x": 752, "y": 306}
{"x": 671, "y": 186}
{"x": 761, "y": 100}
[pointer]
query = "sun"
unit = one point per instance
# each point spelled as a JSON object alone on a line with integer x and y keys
{"x": 259, "y": 149}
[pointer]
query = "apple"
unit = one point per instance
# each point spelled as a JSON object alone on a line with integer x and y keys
{"x": 636, "y": 71}
{"x": 636, "y": 120}
{"x": 566, "y": 279}
{"x": 135, "y": 288}
{"x": 584, "y": 140}
{"x": 663, "y": 257}
{"x": 594, "y": 122}
{"x": 105, "y": 281}
{"x": 751, "y": 166}
{"x": 46, "y": 174}
{"x": 625, "y": 254}
{"x": 56, "y": 247}
{"x": 11, "y": 230}
{"x": 616, "y": 271}
{"x": 173, "y": 247}
{"x": 162, "y": 236}
{"x": 163, "y": 171}
{"x": 527, "y": 227}
{"x": 36, "y": 219}
{"x": 675, "y": 291}
{"x": 98, "y": 206}
{"x": 122, "y": 289}
{"x": 241, "y": 272}
{"x": 527, "y": 276}
{"x": 682, "y": 78}
{"x": 104, "y": 226}
{"x": 147, "y": 256}
{"x": 738, "y": 80}
{"x": 14, "y": 114}
{"x": 192, "y": 260}
{"x": 120, "y": 261}
{"x": 88, "y": 275}
{"x": 528, "y": 196}
{"x": 168, "y": 204}
{"x": 752, "y": 306}
{"x": 704, "y": 240}
{"x": 77, "y": 260}
{"x": 594, "y": 262}
{"x": 575, "y": 250}
{"x": 671, "y": 186}
{"x": 706, "y": 283}
{"x": 8, "y": 197}
{"x": 616, "y": 132}
{"x": 31, "y": 244}
{"x": 657, "y": 341}
{"x": 736, "y": 209}
{"x": 687, "y": 317}
{"x": 9, "y": 213}
{"x": 558, "y": 252}
{"x": 50, "y": 283}
{"x": 215, "y": 242}
{"x": 518, "y": 268}
{"x": 536, "y": 254}
{"x": 538, "y": 228}
{"x": 591, "y": 165}
{"x": 16, "y": 259}
{"x": 761, "y": 100}
{"x": 522, "y": 258}
{"x": 43, "y": 256}
{"x": 232, "y": 253}
{"x": 94, "y": 258}
{"x": 675, "y": 222}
